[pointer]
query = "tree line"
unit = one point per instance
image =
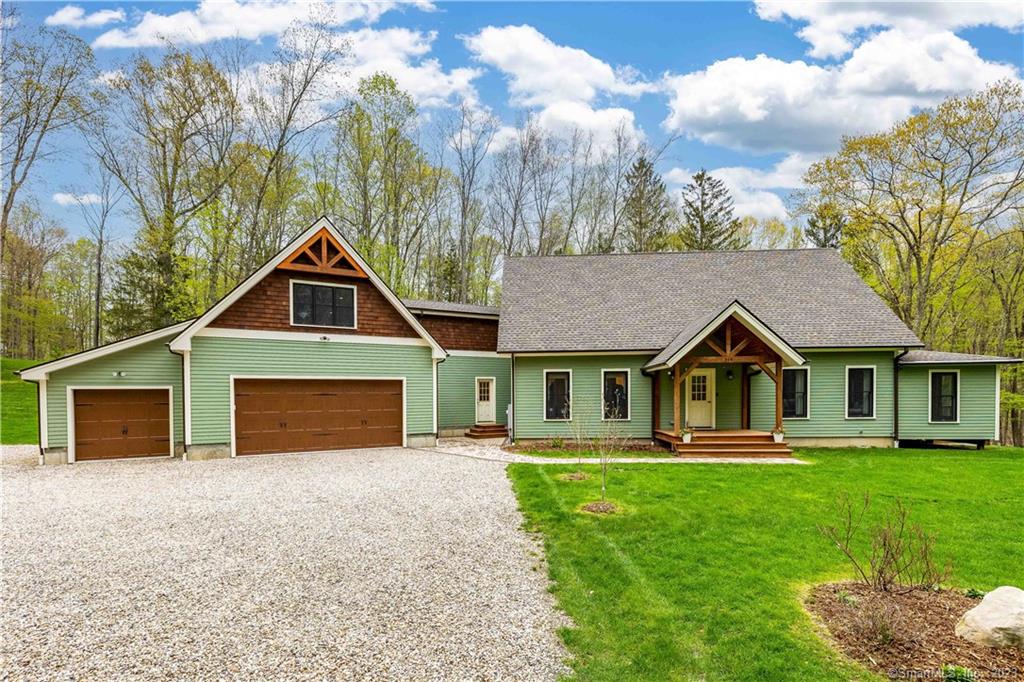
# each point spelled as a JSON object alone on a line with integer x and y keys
{"x": 218, "y": 161}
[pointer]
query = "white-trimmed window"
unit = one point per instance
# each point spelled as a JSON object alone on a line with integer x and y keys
{"x": 944, "y": 396}
{"x": 796, "y": 392}
{"x": 615, "y": 401}
{"x": 557, "y": 394}
{"x": 322, "y": 304}
{"x": 860, "y": 391}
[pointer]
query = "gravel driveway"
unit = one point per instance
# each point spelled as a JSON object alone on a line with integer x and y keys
{"x": 373, "y": 564}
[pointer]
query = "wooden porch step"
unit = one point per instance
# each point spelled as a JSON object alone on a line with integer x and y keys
{"x": 735, "y": 445}
{"x": 733, "y": 453}
{"x": 487, "y": 431}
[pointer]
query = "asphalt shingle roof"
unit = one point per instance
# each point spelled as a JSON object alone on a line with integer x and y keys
{"x": 810, "y": 297}
{"x": 925, "y": 357}
{"x": 445, "y": 307}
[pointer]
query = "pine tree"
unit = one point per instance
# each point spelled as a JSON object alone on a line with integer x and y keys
{"x": 707, "y": 220}
{"x": 648, "y": 210}
{"x": 825, "y": 227}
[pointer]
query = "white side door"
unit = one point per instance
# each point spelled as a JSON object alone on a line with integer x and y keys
{"x": 700, "y": 399}
{"x": 484, "y": 400}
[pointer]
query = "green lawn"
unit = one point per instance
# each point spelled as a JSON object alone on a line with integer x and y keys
{"x": 18, "y": 420}
{"x": 590, "y": 454}
{"x": 701, "y": 577}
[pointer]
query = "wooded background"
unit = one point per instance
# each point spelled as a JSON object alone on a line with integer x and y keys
{"x": 218, "y": 165}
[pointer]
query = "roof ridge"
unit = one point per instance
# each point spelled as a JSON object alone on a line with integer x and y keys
{"x": 668, "y": 253}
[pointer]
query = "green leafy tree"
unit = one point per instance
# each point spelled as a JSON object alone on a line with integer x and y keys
{"x": 708, "y": 223}
{"x": 825, "y": 227}
{"x": 648, "y": 211}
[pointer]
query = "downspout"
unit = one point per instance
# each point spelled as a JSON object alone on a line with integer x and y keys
{"x": 512, "y": 417}
{"x": 40, "y": 387}
{"x": 896, "y": 397}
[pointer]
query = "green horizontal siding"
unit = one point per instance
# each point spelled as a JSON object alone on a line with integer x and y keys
{"x": 977, "y": 403}
{"x": 456, "y": 389}
{"x": 828, "y": 398}
{"x": 149, "y": 364}
{"x": 215, "y": 359}
{"x": 586, "y": 395}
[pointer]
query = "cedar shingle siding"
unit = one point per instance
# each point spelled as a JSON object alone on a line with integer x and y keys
{"x": 266, "y": 307}
{"x": 462, "y": 333}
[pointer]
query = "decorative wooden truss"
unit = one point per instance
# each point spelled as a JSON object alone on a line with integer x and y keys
{"x": 731, "y": 343}
{"x": 323, "y": 254}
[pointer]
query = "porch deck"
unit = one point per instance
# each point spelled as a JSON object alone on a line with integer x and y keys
{"x": 724, "y": 443}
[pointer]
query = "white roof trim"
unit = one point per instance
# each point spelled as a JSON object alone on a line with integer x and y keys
{"x": 40, "y": 372}
{"x": 183, "y": 341}
{"x": 789, "y": 355}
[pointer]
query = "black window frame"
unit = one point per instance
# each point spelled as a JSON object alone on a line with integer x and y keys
{"x": 787, "y": 371}
{"x": 934, "y": 374}
{"x": 625, "y": 398}
{"x": 566, "y": 407}
{"x": 316, "y": 306}
{"x": 869, "y": 401}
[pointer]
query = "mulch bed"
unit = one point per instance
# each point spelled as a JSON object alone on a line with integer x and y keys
{"x": 600, "y": 508}
{"x": 569, "y": 447}
{"x": 920, "y": 632}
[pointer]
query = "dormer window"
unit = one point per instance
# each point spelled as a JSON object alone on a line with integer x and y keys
{"x": 316, "y": 304}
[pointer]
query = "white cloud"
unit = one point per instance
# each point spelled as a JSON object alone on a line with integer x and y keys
{"x": 248, "y": 19}
{"x": 834, "y": 28}
{"x": 754, "y": 190}
{"x": 541, "y": 72}
{"x": 68, "y": 199}
{"x": 562, "y": 118}
{"x": 402, "y": 53}
{"x": 74, "y": 16}
{"x": 766, "y": 104}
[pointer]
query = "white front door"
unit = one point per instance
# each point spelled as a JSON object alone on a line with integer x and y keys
{"x": 484, "y": 400}
{"x": 700, "y": 399}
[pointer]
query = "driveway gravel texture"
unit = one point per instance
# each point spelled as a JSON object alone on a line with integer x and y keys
{"x": 371, "y": 564}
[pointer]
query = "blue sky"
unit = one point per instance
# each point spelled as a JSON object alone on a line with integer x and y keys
{"x": 752, "y": 91}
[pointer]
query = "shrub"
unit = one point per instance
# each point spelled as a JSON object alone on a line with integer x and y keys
{"x": 974, "y": 593}
{"x": 901, "y": 554}
{"x": 846, "y": 598}
{"x": 880, "y": 624}
{"x": 958, "y": 673}
{"x": 557, "y": 443}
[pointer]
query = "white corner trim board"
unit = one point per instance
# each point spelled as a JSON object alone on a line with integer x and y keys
{"x": 183, "y": 341}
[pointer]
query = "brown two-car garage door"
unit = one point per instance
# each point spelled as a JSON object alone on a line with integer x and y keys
{"x": 115, "y": 423}
{"x": 304, "y": 415}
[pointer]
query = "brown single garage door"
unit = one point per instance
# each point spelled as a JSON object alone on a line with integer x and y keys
{"x": 305, "y": 415}
{"x": 114, "y": 423}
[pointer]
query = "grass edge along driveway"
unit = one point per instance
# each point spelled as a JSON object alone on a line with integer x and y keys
{"x": 19, "y": 423}
{"x": 701, "y": 577}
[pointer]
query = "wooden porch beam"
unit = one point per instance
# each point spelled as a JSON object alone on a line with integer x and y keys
{"x": 714, "y": 346}
{"x": 675, "y": 401}
{"x": 778, "y": 394}
{"x": 739, "y": 346}
{"x": 764, "y": 368}
{"x": 713, "y": 359}
{"x": 728, "y": 337}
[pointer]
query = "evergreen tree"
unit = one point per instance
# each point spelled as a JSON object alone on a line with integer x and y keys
{"x": 825, "y": 227}
{"x": 648, "y": 210}
{"x": 707, "y": 221}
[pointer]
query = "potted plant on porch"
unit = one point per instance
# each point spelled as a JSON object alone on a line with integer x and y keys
{"x": 778, "y": 434}
{"x": 687, "y": 433}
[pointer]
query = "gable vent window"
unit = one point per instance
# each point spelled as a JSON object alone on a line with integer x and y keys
{"x": 860, "y": 392}
{"x": 794, "y": 392}
{"x": 323, "y": 305}
{"x": 944, "y": 396}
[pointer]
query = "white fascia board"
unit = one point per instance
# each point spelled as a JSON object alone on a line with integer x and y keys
{"x": 43, "y": 371}
{"x": 183, "y": 341}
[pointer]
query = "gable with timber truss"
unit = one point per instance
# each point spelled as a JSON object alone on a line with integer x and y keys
{"x": 322, "y": 254}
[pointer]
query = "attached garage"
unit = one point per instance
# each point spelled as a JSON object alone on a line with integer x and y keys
{"x": 116, "y": 423}
{"x": 308, "y": 415}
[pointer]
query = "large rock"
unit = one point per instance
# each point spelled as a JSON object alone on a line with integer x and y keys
{"x": 997, "y": 621}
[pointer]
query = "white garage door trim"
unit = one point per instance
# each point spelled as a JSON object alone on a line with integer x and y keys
{"x": 318, "y": 377}
{"x": 71, "y": 415}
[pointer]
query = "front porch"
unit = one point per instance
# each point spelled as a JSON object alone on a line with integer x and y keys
{"x": 732, "y": 345}
{"x": 724, "y": 443}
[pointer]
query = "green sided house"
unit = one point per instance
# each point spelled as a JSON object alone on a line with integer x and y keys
{"x": 706, "y": 353}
